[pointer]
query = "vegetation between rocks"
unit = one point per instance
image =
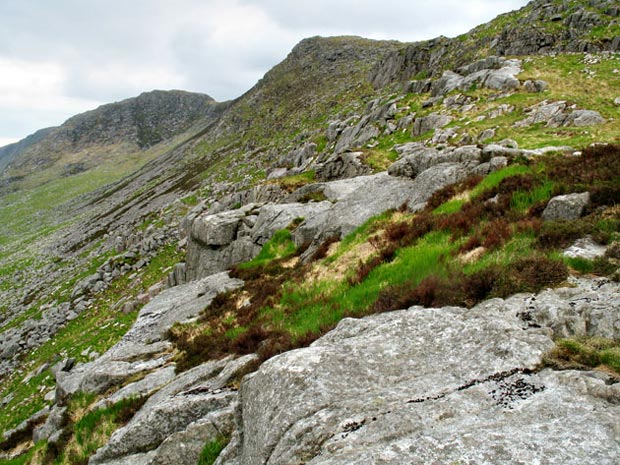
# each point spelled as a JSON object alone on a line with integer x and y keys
{"x": 492, "y": 243}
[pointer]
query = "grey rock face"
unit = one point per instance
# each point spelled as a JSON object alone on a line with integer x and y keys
{"x": 430, "y": 122}
{"x": 54, "y": 422}
{"x": 343, "y": 165}
{"x": 107, "y": 371}
{"x": 197, "y": 406}
{"x": 557, "y": 114}
{"x": 140, "y": 350}
{"x": 591, "y": 308}
{"x": 535, "y": 86}
{"x": 585, "y": 118}
{"x": 360, "y": 130}
{"x": 421, "y": 158}
{"x": 585, "y": 248}
{"x": 566, "y": 207}
{"x": 145, "y": 387}
{"x": 492, "y": 72}
{"x": 222, "y": 240}
{"x": 401, "y": 388}
{"x": 173, "y": 305}
{"x": 217, "y": 230}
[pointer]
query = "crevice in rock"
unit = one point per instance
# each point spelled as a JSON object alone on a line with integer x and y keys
{"x": 498, "y": 377}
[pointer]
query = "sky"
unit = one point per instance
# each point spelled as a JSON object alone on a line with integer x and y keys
{"x": 62, "y": 57}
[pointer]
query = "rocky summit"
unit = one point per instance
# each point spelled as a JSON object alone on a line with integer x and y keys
{"x": 382, "y": 253}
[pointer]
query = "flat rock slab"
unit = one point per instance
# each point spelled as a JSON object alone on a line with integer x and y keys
{"x": 585, "y": 248}
{"x": 176, "y": 304}
{"x": 141, "y": 349}
{"x": 549, "y": 417}
{"x": 423, "y": 386}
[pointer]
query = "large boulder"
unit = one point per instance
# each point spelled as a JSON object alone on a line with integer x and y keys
{"x": 566, "y": 207}
{"x": 433, "y": 386}
{"x": 173, "y": 305}
{"x": 493, "y": 72}
{"x": 420, "y": 159}
{"x": 557, "y": 114}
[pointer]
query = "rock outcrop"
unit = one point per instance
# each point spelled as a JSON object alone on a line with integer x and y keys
{"x": 438, "y": 385}
{"x": 528, "y": 31}
{"x": 556, "y": 114}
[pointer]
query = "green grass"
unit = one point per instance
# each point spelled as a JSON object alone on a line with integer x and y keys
{"x": 451, "y": 206}
{"x": 495, "y": 178}
{"x": 522, "y": 200}
{"x": 359, "y": 235}
{"x": 490, "y": 181}
{"x": 291, "y": 183}
{"x": 281, "y": 245}
{"x": 378, "y": 160}
{"x": 585, "y": 352}
{"x": 96, "y": 329}
{"x": 211, "y": 451}
{"x": 582, "y": 265}
{"x": 91, "y": 430}
{"x": 304, "y": 310}
{"x": 25, "y": 458}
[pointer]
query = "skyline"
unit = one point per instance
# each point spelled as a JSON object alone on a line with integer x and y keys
{"x": 63, "y": 58}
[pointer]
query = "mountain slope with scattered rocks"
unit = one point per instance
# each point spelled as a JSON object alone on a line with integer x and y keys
{"x": 376, "y": 246}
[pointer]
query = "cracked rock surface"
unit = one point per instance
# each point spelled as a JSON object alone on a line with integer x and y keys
{"x": 448, "y": 385}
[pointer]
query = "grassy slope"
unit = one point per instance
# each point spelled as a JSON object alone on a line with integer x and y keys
{"x": 291, "y": 319}
{"x": 457, "y": 255}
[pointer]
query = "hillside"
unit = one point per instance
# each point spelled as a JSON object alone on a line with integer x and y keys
{"x": 381, "y": 253}
{"x": 102, "y": 136}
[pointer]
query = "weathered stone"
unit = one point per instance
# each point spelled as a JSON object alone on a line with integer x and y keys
{"x": 185, "y": 447}
{"x": 342, "y": 165}
{"x": 566, "y": 207}
{"x": 590, "y": 308}
{"x": 556, "y": 114}
{"x": 217, "y": 230}
{"x": 174, "y": 305}
{"x": 486, "y": 134}
{"x": 427, "y": 123}
{"x": 55, "y": 421}
{"x": 23, "y": 431}
{"x": 497, "y": 150}
{"x": 144, "y": 387}
{"x": 198, "y": 394}
{"x": 585, "y": 248}
{"x": 419, "y": 87}
{"x": 535, "y": 86}
{"x": 275, "y": 217}
{"x": 277, "y": 173}
{"x": 422, "y": 158}
{"x": 400, "y": 388}
{"x": 584, "y": 118}
{"x": 358, "y": 135}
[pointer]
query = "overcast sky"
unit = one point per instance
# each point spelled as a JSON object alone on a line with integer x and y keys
{"x": 62, "y": 57}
